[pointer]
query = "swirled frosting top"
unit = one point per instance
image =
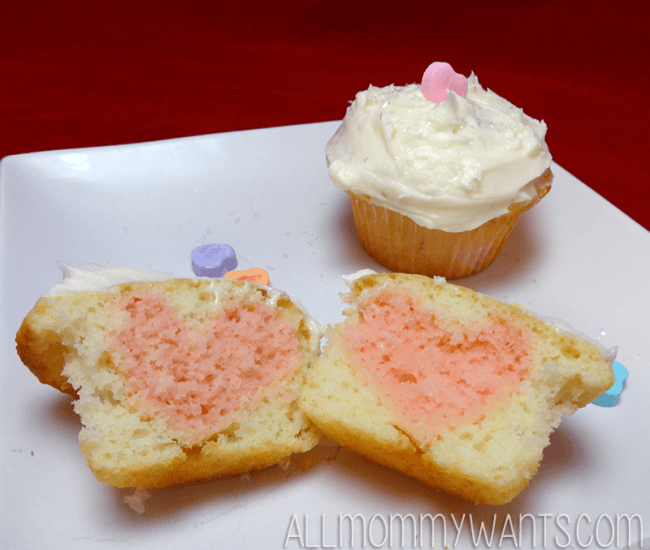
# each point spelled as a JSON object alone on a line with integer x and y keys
{"x": 452, "y": 165}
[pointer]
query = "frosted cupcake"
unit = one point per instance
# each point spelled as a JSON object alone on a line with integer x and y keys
{"x": 439, "y": 173}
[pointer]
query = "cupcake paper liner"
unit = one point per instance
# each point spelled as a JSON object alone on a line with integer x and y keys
{"x": 398, "y": 243}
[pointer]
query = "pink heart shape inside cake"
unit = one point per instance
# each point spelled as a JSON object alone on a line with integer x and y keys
{"x": 195, "y": 374}
{"x": 432, "y": 372}
{"x": 438, "y": 79}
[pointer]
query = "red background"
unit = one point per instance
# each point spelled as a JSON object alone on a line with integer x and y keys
{"x": 84, "y": 73}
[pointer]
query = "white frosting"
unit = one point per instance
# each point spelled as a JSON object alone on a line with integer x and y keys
{"x": 94, "y": 277}
{"x": 452, "y": 165}
{"x": 349, "y": 279}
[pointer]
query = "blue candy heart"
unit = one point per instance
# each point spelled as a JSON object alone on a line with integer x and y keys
{"x": 611, "y": 396}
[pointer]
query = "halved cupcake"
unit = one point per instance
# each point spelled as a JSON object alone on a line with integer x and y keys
{"x": 454, "y": 388}
{"x": 175, "y": 380}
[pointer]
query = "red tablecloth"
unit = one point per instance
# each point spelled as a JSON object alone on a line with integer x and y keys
{"x": 80, "y": 73}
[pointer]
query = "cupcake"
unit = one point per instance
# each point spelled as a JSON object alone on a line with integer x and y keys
{"x": 449, "y": 386}
{"x": 174, "y": 380}
{"x": 438, "y": 173}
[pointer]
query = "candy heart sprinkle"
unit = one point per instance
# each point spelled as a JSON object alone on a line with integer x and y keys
{"x": 439, "y": 79}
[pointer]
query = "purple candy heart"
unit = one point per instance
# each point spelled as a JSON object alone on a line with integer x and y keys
{"x": 213, "y": 260}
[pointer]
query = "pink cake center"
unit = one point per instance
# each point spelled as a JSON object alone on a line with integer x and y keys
{"x": 435, "y": 375}
{"x": 197, "y": 375}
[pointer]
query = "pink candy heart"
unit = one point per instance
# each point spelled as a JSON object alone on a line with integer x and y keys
{"x": 439, "y": 79}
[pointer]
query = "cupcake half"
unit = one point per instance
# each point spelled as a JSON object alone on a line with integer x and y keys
{"x": 174, "y": 380}
{"x": 449, "y": 386}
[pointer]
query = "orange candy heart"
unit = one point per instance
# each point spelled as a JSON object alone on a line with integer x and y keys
{"x": 255, "y": 275}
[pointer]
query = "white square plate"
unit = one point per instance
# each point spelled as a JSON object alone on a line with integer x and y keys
{"x": 266, "y": 192}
